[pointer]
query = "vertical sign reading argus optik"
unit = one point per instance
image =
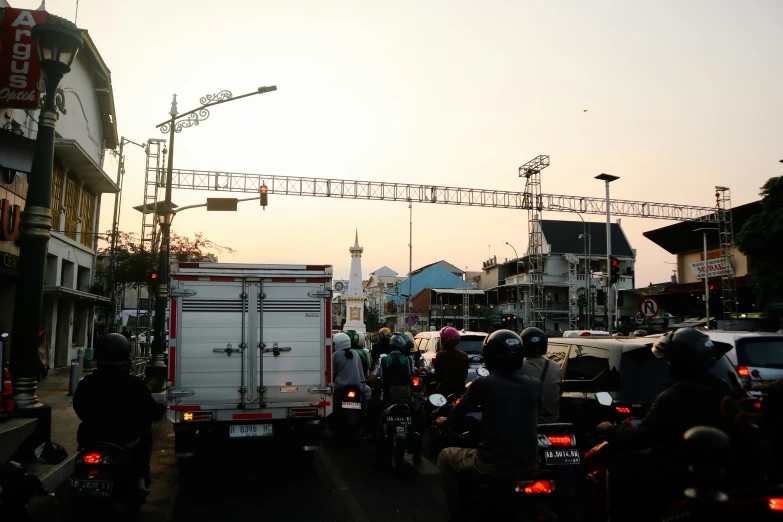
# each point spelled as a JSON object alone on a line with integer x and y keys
{"x": 19, "y": 70}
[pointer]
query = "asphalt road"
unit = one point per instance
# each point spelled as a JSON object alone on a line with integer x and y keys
{"x": 342, "y": 484}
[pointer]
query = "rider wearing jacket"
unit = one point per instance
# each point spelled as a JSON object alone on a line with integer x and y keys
{"x": 509, "y": 405}
{"x": 451, "y": 365}
{"x": 534, "y": 346}
{"x": 395, "y": 371}
{"x": 380, "y": 346}
{"x": 357, "y": 345}
{"x": 347, "y": 368}
{"x": 697, "y": 398}
{"x": 117, "y": 407}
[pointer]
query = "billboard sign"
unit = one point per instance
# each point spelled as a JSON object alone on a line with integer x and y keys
{"x": 715, "y": 268}
{"x": 19, "y": 69}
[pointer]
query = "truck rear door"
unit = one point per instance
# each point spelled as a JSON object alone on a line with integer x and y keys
{"x": 290, "y": 356}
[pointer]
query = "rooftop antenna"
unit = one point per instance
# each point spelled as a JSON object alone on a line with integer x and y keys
{"x": 76, "y": 16}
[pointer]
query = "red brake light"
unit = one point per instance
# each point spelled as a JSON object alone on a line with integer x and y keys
{"x": 534, "y": 488}
{"x": 622, "y": 409}
{"x": 92, "y": 458}
{"x": 743, "y": 371}
{"x": 776, "y": 504}
{"x": 416, "y": 381}
{"x": 351, "y": 394}
{"x": 457, "y": 400}
{"x": 563, "y": 441}
{"x": 584, "y": 334}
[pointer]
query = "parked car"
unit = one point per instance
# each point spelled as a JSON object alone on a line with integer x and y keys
{"x": 757, "y": 356}
{"x": 585, "y": 333}
{"x": 428, "y": 343}
{"x": 625, "y": 368}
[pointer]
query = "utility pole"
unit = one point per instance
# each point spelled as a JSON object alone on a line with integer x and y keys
{"x": 608, "y": 178}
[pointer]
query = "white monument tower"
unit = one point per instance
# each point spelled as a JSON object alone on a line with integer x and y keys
{"x": 354, "y": 297}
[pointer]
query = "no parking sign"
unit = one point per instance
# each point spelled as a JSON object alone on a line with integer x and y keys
{"x": 649, "y": 307}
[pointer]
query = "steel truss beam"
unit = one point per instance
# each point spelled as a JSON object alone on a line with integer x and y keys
{"x": 403, "y": 192}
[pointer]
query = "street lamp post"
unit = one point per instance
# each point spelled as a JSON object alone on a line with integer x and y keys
{"x": 706, "y": 274}
{"x": 516, "y": 305}
{"x": 57, "y": 44}
{"x": 608, "y": 178}
{"x": 176, "y": 123}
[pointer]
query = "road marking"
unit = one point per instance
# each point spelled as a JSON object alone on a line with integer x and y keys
{"x": 342, "y": 487}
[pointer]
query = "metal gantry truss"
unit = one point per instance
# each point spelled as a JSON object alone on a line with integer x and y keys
{"x": 154, "y": 181}
{"x": 531, "y": 199}
{"x": 728, "y": 280}
{"x": 218, "y": 181}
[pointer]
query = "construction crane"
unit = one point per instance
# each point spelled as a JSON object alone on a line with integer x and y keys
{"x": 531, "y": 199}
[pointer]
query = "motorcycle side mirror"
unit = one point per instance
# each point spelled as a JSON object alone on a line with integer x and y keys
{"x": 437, "y": 400}
{"x": 483, "y": 372}
{"x": 604, "y": 399}
{"x": 4, "y": 336}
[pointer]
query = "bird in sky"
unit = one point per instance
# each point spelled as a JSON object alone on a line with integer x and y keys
{"x": 585, "y": 110}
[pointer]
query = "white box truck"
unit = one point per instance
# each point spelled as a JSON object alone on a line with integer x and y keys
{"x": 249, "y": 354}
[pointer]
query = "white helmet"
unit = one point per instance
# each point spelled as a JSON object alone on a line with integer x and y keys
{"x": 360, "y": 342}
{"x": 341, "y": 341}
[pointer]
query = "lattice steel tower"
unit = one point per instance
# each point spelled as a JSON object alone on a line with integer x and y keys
{"x": 154, "y": 181}
{"x": 728, "y": 280}
{"x": 533, "y": 202}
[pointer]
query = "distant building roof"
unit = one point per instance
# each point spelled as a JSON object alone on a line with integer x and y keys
{"x": 563, "y": 238}
{"x": 681, "y": 237}
{"x": 448, "y": 266}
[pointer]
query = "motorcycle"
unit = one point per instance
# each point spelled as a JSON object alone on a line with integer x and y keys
{"x": 17, "y": 487}
{"x": 398, "y": 433}
{"x": 104, "y": 485}
{"x": 347, "y": 410}
{"x": 525, "y": 492}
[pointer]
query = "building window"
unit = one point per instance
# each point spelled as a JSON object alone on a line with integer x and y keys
{"x": 86, "y": 215}
{"x": 71, "y": 208}
{"x": 57, "y": 195}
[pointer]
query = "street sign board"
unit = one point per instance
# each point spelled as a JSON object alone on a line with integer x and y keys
{"x": 649, "y": 307}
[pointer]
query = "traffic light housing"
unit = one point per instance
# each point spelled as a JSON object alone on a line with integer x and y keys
{"x": 262, "y": 192}
{"x": 614, "y": 270}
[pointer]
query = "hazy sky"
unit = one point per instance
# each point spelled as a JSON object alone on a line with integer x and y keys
{"x": 681, "y": 96}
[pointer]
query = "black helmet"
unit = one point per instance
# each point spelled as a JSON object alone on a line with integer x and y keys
{"x": 399, "y": 342}
{"x": 113, "y": 351}
{"x": 502, "y": 351}
{"x": 534, "y": 342}
{"x": 689, "y": 351}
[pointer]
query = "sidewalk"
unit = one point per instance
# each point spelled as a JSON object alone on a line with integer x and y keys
{"x": 53, "y": 391}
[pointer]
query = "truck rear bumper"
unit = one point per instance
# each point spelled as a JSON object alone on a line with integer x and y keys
{"x": 302, "y": 434}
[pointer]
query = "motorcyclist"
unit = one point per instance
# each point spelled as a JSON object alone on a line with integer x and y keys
{"x": 347, "y": 368}
{"x": 697, "y": 398}
{"x": 117, "y": 407}
{"x": 381, "y": 345}
{"x": 509, "y": 405}
{"x": 410, "y": 343}
{"x": 451, "y": 365}
{"x": 357, "y": 345}
{"x": 534, "y": 346}
{"x": 394, "y": 371}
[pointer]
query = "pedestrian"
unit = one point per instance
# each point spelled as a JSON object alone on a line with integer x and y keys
{"x": 125, "y": 333}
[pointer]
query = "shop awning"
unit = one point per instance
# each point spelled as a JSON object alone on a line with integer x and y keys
{"x": 75, "y": 295}
{"x": 84, "y": 167}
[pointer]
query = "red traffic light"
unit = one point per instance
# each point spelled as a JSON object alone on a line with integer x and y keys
{"x": 712, "y": 287}
{"x": 263, "y": 189}
{"x": 153, "y": 275}
{"x": 615, "y": 262}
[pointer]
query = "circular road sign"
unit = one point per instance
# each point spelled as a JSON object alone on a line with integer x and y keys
{"x": 649, "y": 307}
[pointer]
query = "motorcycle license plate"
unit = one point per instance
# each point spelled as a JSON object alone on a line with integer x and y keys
{"x": 398, "y": 421}
{"x": 90, "y": 488}
{"x": 563, "y": 457}
{"x": 250, "y": 430}
{"x": 352, "y": 405}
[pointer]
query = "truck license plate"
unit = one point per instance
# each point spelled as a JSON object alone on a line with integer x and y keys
{"x": 250, "y": 430}
{"x": 352, "y": 405}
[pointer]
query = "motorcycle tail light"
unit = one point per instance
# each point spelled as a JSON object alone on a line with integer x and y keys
{"x": 743, "y": 371}
{"x": 561, "y": 441}
{"x": 776, "y": 504}
{"x": 416, "y": 381}
{"x": 536, "y": 487}
{"x": 92, "y": 458}
{"x": 622, "y": 409}
{"x": 457, "y": 400}
{"x": 351, "y": 394}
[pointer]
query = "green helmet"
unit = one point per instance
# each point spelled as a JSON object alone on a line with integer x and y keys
{"x": 354, "y": 335}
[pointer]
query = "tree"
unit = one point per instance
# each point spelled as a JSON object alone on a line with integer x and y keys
{"x": 371, "y": 319}
{"x": 134, "y": 266}
{"x": 760, "y": 239}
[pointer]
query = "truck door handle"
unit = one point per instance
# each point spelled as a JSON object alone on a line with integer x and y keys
{"x": 277, "y": 349}
{"x": 227, "y": 350}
